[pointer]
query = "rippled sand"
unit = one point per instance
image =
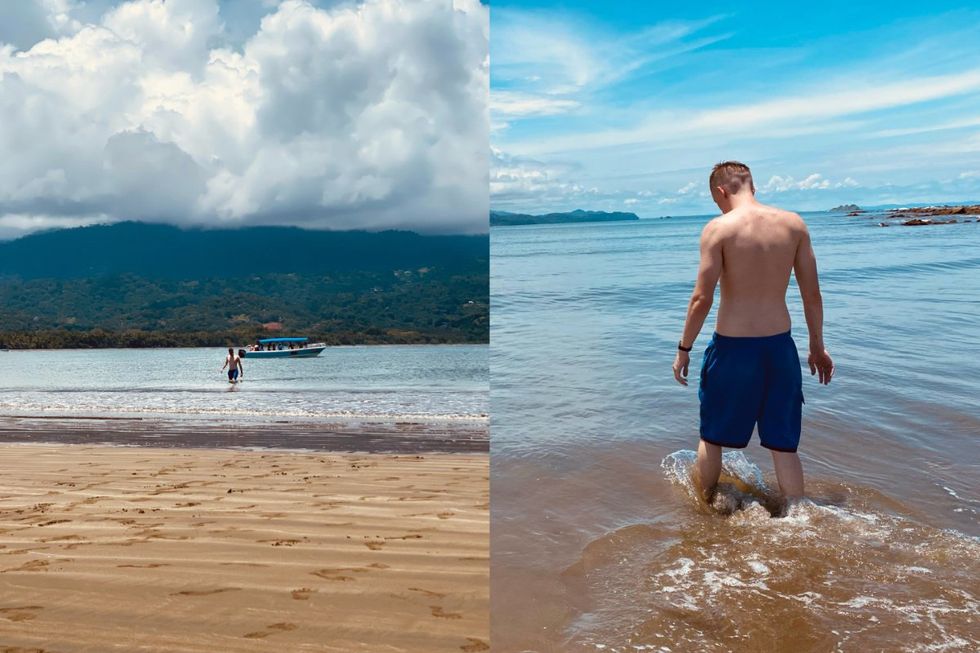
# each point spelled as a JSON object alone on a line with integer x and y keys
{"x": 217, "y": 550}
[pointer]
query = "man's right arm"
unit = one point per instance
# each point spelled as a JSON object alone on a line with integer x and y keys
{"x": 805, "y": 268}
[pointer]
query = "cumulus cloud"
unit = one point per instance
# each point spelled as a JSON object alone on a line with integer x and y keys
{"x": 515, "y": 178}
{"x": 370, "y": 115}
{"x": 815, "y": 181}
{"x": 779, "y": 184}
{"x": 525, "y": 184}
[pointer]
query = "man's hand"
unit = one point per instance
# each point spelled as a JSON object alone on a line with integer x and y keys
{"x": 821, "y": 362}
{"x": 680, "y": 366}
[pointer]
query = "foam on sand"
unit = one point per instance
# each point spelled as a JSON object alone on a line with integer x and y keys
{"x": 849, "y": 575}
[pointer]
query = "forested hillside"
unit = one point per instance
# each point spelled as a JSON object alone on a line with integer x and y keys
{"x": 133, "y": 284}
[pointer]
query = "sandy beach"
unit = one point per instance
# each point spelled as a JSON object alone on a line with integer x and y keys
{"x": 126, "y": 548}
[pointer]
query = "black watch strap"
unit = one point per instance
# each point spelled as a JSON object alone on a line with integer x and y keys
{"x": 680, "y": 345}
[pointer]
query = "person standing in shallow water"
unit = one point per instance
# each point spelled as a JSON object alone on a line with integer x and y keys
{"x": 751, "y": 371}
{"x": 234, "y": 364}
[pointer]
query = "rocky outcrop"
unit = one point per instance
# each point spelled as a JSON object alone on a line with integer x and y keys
{"x": 921, "y": 216}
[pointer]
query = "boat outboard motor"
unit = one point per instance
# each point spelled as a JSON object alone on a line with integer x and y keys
{"x": 241, "y": 353}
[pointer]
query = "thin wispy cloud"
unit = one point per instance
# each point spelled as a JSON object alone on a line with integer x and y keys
{"x": 806, "y": 113}
{"x": 557, "y": 61}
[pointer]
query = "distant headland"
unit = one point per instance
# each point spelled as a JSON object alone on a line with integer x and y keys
{"x": 505, "y": 218}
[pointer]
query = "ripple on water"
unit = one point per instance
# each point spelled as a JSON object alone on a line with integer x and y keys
{"x": 825, "y": 577}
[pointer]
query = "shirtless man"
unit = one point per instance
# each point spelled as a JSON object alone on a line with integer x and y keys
{"x": 234, "y": 364}
{"x": 751, "y": 370}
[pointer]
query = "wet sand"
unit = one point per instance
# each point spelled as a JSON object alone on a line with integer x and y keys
{"x": 218, "y": 550}
{"x": 448, "y": 436}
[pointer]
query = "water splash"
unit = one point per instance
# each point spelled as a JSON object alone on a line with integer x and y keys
{"x": 741, "y": 485}
{"x": 858, "y": 573}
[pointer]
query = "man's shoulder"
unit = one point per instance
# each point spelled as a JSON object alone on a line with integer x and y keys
{"x": 786, "y": 214}
{"x": 717, "y": 224}
{"x": 788, "y": 218}
{"x": 714, "y": 231}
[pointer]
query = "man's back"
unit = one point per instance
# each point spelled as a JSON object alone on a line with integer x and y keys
{"x": 750, "y": 373}
{"x": 759, "y": 246}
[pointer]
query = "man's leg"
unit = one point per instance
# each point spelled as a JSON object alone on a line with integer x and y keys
{"x": 789, "y": 473}
{"x": 707, "y": 469}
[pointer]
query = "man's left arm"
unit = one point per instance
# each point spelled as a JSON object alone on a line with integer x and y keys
{"x": 709, "y": 271}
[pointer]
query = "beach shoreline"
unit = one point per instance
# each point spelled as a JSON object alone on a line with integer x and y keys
{"x": 350, "y": 436}
{"x": 194, "y": 549}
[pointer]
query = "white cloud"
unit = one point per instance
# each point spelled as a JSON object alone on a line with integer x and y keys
{"x": 13, "y": 225}
{"x": 548, "y": 63}
{"x": 815, "y": 181}
{"x": 814, "y": 111}
{"x": 520, "y": 183}
{"x": 779, "y": 184}
{"x": 557, "y": 53}
{"x": 522, "y": 104}
{"x": 518, "y": 178}
{"x": 371, "y": 115}
{"x": 687, "y": 188}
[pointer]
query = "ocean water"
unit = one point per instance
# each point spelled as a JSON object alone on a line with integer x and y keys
{"x": 598, "y": 540}
{"x": 425, "y": 383}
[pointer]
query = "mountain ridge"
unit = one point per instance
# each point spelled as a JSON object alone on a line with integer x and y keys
{"x": 136, "y": 284}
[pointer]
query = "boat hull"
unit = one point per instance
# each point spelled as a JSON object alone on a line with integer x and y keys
{"x": 305, "y": 352}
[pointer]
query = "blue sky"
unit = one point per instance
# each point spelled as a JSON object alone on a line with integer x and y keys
{"x": 626, "y": 106}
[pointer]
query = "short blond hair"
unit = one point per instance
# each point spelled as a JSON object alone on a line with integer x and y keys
{"x": 732, "y": 176}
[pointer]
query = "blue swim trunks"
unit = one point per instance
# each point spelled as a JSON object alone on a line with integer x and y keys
{"x": 749, "y": 381}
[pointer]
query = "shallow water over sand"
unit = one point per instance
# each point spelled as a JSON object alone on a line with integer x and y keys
{"x": 598, "y": 542}
{"x": 379, "y": 383}
{"x": 836, "y": 573}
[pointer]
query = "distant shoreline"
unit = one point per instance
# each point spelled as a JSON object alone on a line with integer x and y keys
{"x": 507, "y": 219}
{"x": 97, "y": 339}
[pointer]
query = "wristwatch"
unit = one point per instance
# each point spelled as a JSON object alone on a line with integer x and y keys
{"x": 680, "y": 345}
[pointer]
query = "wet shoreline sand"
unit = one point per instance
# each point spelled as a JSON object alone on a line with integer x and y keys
{"x": 443, "y": 436}
{"x": 177, "y": 549}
